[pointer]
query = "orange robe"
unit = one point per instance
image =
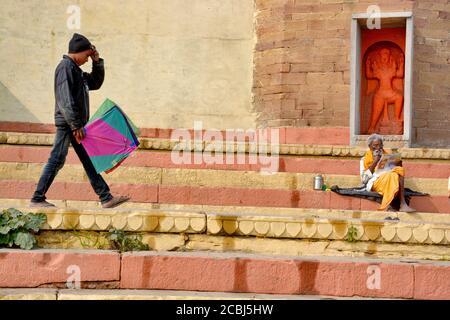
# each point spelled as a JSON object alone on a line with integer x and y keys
{"x": 388, "y": 183}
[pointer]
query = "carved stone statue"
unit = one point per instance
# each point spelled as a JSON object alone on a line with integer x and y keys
{"x": 384, "y": 67}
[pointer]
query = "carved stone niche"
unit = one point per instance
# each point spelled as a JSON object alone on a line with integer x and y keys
{"x": 381, "y": 79}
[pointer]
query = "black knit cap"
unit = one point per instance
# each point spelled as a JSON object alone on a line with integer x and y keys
{"x": 79, "y": 43}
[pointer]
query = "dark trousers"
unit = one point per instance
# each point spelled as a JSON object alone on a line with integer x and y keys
{"x": 56, "y": 161}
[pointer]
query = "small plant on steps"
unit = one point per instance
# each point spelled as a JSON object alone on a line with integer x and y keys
{"x": 122, "y": 241}
{"x": 352, "y": 234}
{"x": 18, "y": 228}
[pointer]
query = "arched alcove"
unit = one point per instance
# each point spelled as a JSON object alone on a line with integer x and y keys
{"x": 382, "y": 89}
{"x": 387, "y": 79}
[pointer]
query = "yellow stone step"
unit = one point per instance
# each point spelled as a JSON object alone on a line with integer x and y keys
{"x": 307, "y": 247}
{"x": 274, "y": 231}
{"x": 163, "y": 242}
{"x": 312, "y": 224}
{"x": 209, "y": 178}
{"x": 163, "y": 221}
{"x": 28, "y": 294}
{"x": 300, "y": 212}
{"x": 15, "y": 138}
{"x": 292, "y": 226}
{"x": 123, "y": 294}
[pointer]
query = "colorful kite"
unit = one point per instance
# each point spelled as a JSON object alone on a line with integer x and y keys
{"x": 110, "y": 137}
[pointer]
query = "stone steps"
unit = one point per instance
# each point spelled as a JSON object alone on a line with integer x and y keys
{"x": 43, "y": 139}
{"x": 305, "y": 162}
{"x": 208, "y": 178}
{"x": 189, "y": 195}
{"x": 226, "y": 273}
{"x": 151, "y": 176}
{"x": 228, "y": 228}
{"x": 242, "y": 229}
{"x": 211, "y": 187}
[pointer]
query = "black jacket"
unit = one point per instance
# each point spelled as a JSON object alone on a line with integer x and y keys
{"x": 72, "y": 87}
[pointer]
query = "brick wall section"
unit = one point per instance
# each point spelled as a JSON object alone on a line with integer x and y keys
{"x": 431, "y": 88}
{"x": 302, "y": 64}
{"x": 269, "y": 92}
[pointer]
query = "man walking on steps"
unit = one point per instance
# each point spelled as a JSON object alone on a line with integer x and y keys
{"x": 72, "y": 87}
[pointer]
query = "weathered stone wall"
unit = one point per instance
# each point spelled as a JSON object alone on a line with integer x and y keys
{"x": 302, "y": 64}
{"x": 431, "y": 88}
{"x": 168, "y": 63}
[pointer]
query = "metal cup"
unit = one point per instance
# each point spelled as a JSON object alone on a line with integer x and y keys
{"x": 318, "y": 182}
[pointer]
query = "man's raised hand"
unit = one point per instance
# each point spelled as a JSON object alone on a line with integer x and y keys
{"x": 95, "y": 56}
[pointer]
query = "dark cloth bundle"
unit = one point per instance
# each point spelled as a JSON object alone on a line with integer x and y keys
{"x": 361, "y": 192}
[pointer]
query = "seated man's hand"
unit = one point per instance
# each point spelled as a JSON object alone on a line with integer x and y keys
{"x": 377, "y": 158}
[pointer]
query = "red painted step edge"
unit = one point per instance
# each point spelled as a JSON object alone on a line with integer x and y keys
{"x": 27, "y": 269}
{"x": 431, "y": 282}
{"x": 282, "y": 276}
{"x": 156, "y": 159}
{"x": 310, "y": 135}
{"x": 11, "y": 189}
{"x": 228, "y": 273}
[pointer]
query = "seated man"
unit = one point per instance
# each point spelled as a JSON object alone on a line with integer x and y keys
{"x": 387, "y": 179}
